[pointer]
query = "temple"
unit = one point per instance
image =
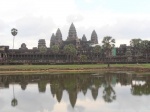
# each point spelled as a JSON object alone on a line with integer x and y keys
{"x": 62, "y": 52}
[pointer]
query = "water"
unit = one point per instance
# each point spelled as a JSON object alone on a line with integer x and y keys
{"x": 109, "y": 92}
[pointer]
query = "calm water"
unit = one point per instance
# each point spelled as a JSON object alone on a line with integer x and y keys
{"x": 109, "y": 92}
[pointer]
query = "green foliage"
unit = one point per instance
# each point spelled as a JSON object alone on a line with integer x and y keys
{"x": 108, "y": 43}
{"x": 128, "y": 52}
{"x": 55, "y": 49}
{"x": 83, "y": 58}
{"x": 135, "y": 42}
{"x": 43, "y": 49}
{"x": 70, "y": 49}
{"x": 76, "y": 66}
{"x": 97, "y": 49}
{"x": 145, "y": 45}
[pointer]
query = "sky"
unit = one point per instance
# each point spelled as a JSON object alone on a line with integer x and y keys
{"x": 38, "y": 19}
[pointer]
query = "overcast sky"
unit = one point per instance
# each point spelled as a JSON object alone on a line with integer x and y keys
{"x": 38, "y": 19}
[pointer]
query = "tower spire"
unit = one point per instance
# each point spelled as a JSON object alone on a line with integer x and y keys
{"x": 94, "y": 38}
{"x": 72, "y": 35}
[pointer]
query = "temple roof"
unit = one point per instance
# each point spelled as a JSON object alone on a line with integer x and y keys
{"x": 58, "y": 31}
{"x": 72, "y": 35}
{"x": 94, "y": 37}
{"x": 58, "y": 34}
{"x": 84, "y": 38}
{"x": 53, "y": 37}
{"x": 94, "y": 33}
{"x": 72, "y": 27}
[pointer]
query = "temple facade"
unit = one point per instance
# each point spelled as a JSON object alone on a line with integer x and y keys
{"x": 84, "y": 51}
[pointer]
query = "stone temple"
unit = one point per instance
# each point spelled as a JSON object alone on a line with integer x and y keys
{"x": 85, "y": 51}
{"x": 56, "y": 39}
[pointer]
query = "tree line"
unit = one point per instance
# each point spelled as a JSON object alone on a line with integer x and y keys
{"x": 108, "y": 43}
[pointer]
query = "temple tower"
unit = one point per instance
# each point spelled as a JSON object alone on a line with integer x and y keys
{"x": 58, "y": 38}
{"x": 41, "y": 43}
{"x": 84, "y": 38}
{"x": 52, "y": 41}
{"x": 94, "y": 38}
{"x": 23, "y": 47}
{"x": 72, "y": 35}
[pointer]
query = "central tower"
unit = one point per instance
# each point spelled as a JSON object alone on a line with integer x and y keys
{"x": 72, "y": 35}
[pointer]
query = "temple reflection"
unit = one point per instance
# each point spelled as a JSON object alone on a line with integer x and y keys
{"x": 81, "y": 82}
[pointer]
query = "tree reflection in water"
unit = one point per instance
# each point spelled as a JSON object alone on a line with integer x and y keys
{"x": 14, "y": 101}
{"x": 137, "y": 88}
{"x": 108, "y": 93}
{"x": 75, "y": 83}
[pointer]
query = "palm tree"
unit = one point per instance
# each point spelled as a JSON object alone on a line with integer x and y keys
{"x": 55, "y": 50}
{"x": 108, "y": 44}
{"x": 97, "y": 50}
{"x": 135, "y": 43}
{"x": 14, "y": 33}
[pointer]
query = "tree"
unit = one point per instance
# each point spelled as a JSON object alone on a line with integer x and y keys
{"x": 42, "y": 49}
{"x": 97, "y": 50}
{"x": 83, "y": 58}
{"x": 55, "y": 50}
{"x": 128, "y": 54}
{"x": 145, "y": 46}
{"x": 136, "y": 43}
{"x": 108, "y": 44}
{"x": 70, "y": 50}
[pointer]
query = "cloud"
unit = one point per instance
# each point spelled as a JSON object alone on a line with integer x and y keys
{"x": 34, "y": 26}
{"x": 88, "y": 1}
{"x": 2, "y": 26}
{"x": 76, "y": 108}
{"x": 39, "y": 19}
{"x": 74, "y": 18}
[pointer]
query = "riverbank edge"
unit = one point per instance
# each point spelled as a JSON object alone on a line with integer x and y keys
{"x": 70, "y": 70}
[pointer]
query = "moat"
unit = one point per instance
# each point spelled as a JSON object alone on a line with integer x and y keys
{"x": 78, "y": 92}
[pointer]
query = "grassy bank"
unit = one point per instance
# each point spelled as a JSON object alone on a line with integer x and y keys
{"x": 69, "y": 67}
{"x": 37, "y": 67}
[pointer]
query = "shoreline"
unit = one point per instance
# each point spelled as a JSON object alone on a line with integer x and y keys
{"x": 73, "y": 70}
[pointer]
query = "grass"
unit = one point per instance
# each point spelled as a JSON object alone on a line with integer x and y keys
{"x": 86, "y": 66}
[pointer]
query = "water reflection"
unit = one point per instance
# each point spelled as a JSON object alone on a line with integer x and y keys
{"x": 74, "y": 84}
{"x": 14, "y": 101}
